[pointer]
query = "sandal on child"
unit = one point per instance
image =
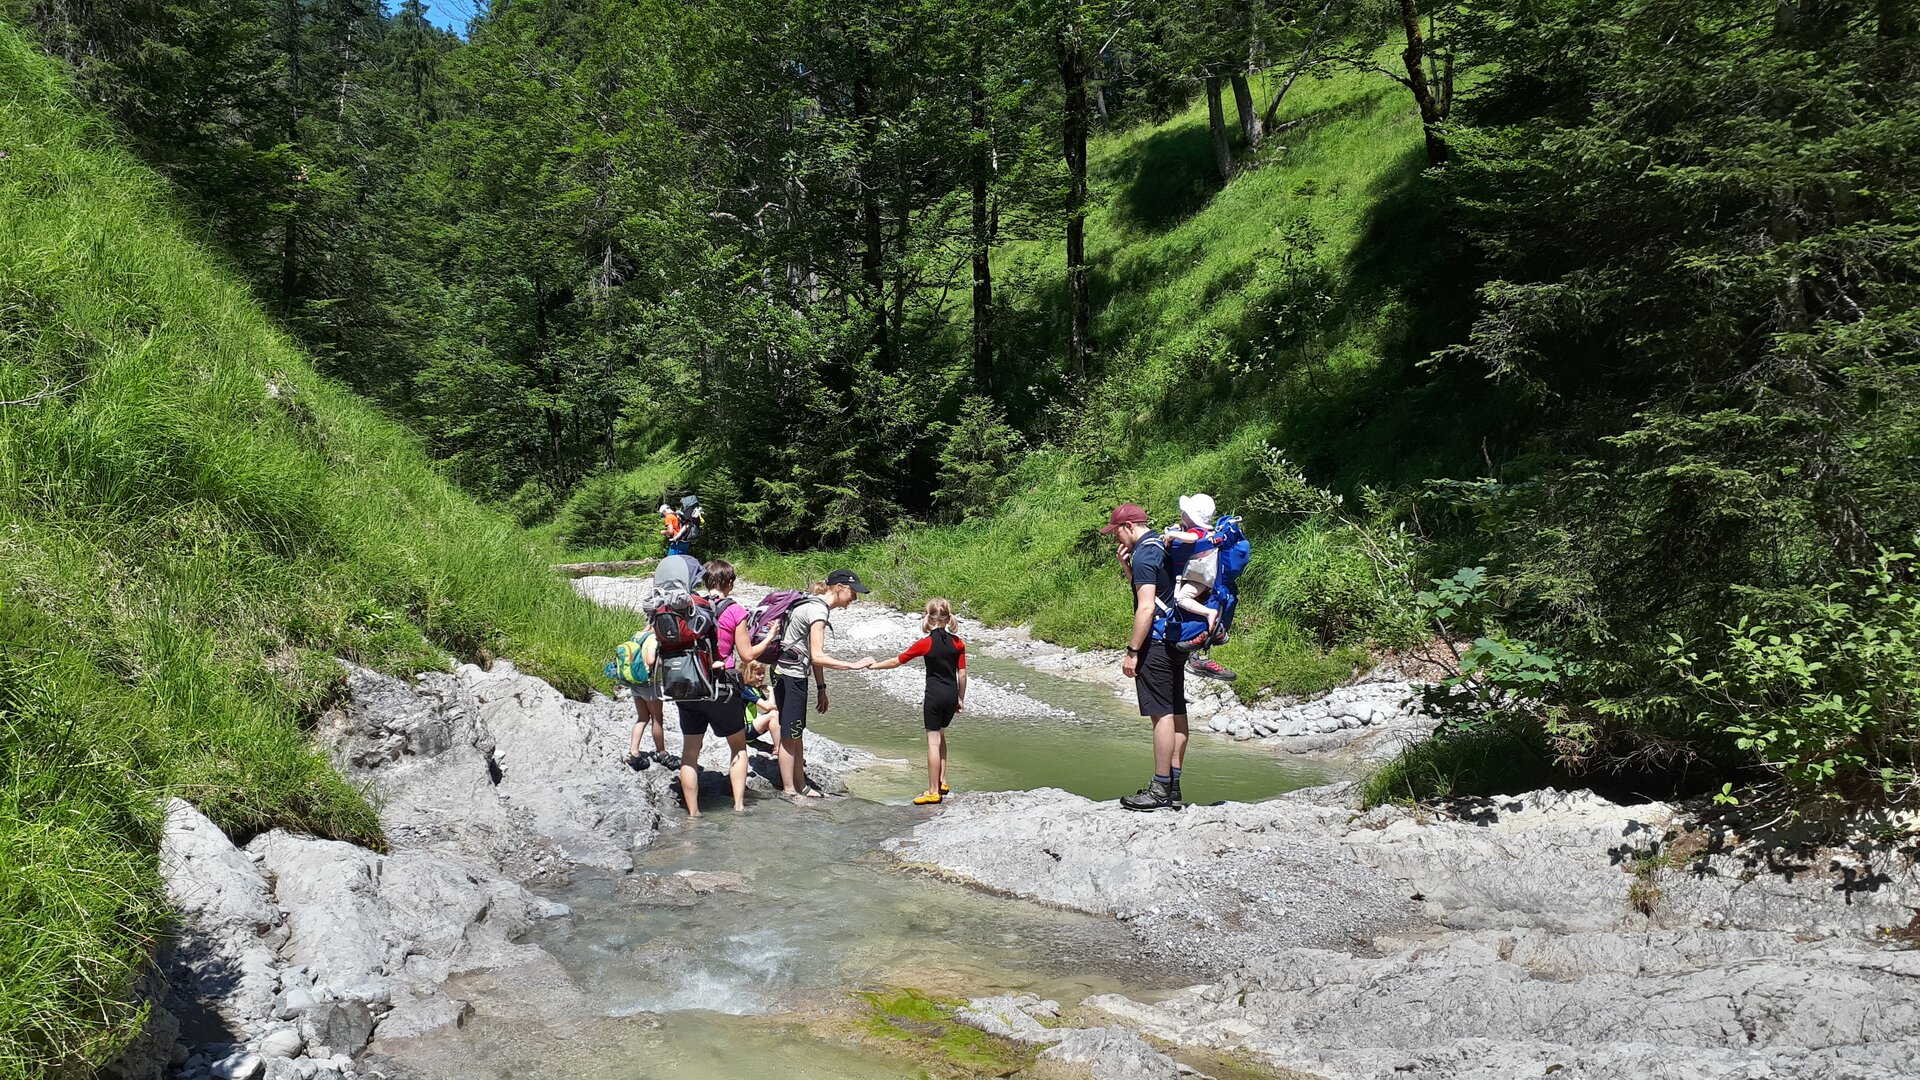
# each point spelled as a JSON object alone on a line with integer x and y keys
{"x": 927, "y": 798}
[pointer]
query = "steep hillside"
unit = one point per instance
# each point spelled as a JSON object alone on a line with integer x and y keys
{"x": 193, "y": 524}
{"x": 1261, "y": 343}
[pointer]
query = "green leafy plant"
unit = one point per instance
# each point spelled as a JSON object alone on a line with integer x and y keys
{"x": 1828, "y": 701}
{"x": 1496, "y": 669}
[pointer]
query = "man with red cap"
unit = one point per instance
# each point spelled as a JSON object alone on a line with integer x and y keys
{"x": 1157, "y": 668}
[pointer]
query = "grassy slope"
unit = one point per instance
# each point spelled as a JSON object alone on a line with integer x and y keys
{"x": 1288, "y": 308}
{"x": 192, "y": 525}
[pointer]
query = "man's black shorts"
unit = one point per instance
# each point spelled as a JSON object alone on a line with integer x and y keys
{"x": 790, "y": 698}
{"x": 723, "y": 718}
{"x": 1160, "y": 682}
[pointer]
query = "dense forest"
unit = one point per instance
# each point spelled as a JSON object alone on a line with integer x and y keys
{"x": 1617, "y": 313}
{"x": 593, "y": 230}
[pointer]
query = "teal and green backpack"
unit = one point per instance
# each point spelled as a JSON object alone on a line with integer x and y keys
{"x": 627, "y": 668}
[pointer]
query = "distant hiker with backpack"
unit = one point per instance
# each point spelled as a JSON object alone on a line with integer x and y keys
{"x": 946, "y": 692}
{"x": 726, "y": 715}
{"x": 793, "y": 626}
{"x": 692, "y": 520}
{"x": 674, "y": 529}
{"x": 1152, "y": 660}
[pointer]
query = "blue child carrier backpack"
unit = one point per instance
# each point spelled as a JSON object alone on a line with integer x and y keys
{"x": 1231, "y": 552}
{"x": 1235, "y": 553}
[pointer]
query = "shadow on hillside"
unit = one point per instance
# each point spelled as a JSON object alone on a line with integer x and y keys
{"x": 1405, "y": 420}
{"x": 1167, "y": 179}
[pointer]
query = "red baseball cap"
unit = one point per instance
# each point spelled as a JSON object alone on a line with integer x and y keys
{"x": 1124, "y": 514}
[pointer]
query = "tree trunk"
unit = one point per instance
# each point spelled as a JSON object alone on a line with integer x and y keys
{"x": 1894, "y": 18}
{"x": 1431, "y": 114}
{"x": 872, "y": 245}
{"x": 609, "y": 402}
{"x": 1251, "y": 129}
{"x": 1217, "y": 127}
{"x": 290, "y": 231}
{"x": 1073, "y": 77}
{"x": 980, "y": 164}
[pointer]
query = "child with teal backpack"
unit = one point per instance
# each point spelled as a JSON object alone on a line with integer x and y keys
{"x": 632, "y": 672}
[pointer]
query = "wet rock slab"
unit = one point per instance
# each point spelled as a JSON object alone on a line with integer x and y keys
{"x": 1100, "y": 1053}
{"x": 1211, "y": 885}
{"x": 1551, "y": 933}
{"x": 295, "y": 955}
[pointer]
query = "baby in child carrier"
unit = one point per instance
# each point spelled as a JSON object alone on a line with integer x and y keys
{"x": 1197, "y": 579}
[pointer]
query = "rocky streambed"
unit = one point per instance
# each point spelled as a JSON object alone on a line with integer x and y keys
{"x": 1548, "y": 933}
{"x": 295, "y": 957}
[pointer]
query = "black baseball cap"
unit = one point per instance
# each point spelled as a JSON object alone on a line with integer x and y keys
{"x": 848, "y": 578}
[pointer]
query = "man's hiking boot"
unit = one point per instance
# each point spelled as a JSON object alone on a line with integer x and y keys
{"x": 1158, "y": 795}
{"x": 1173, "y": 791}
{"x": 1208, "y": 666}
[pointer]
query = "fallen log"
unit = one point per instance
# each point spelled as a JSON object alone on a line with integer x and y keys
{"x": 585, "y": 569}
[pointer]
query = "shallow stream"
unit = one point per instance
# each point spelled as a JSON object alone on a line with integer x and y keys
{"x": 746, "y": 984}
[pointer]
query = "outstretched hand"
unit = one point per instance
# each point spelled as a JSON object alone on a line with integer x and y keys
{"x": 864, "y": 663}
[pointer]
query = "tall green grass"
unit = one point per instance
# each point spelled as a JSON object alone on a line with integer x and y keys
{"x": 193, "y": 525}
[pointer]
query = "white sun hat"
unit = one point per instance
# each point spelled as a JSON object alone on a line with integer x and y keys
{"x": 1198, "y": 508}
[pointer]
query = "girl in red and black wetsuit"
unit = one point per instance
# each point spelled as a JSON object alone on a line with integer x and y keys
{"x": 946, "y": 658}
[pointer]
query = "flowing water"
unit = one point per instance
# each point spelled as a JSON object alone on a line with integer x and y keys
{"x": 737, "y": 984}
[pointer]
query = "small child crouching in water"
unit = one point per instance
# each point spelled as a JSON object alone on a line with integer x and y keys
{"x": 946, "y": 694}
{"x": 760, "y": 714}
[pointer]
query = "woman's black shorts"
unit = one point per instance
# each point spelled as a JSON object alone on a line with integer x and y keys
{"x": 723, "y": 718}
{"x": 941, "y": 703}
{"x": 1160, "y": 681}
{"x": 790, "y": 698}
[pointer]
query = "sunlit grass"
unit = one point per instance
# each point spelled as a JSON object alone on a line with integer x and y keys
{"x": 193, "y": 525}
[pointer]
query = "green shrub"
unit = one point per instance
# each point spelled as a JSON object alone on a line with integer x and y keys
{"x": 978, "y": 453}
{"x": 1825, "y": 698}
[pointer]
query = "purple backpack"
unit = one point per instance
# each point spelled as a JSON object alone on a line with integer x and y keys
{"x": 769, "y": 619}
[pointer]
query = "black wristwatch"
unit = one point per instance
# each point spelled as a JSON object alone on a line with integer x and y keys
{"x": 1132, "y": 651}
